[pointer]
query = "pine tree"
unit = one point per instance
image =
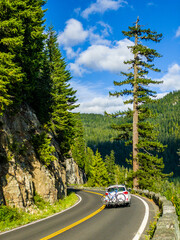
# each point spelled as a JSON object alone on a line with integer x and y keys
{"x": 30, "y": 57}
{"x": 137, "y": 131}
{"x": 21, "y": 47}
{"x": 98, "y": 172}
{"x": 62, "y": 121}
{"x": 110, "y": 166}
{"x": 11, "y": 33}
{"x": 43, "y": 89}
{"x": 178, "y": 153}
{"x": 89, "y": 154}
{"x": 78, "y": 147}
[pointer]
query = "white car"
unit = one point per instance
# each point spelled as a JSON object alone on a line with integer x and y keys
{"x": 117, "y": 195}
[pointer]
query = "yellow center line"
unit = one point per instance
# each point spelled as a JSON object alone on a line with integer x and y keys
{"x": 93, "y": 192}
{"x": 76, "y": 223}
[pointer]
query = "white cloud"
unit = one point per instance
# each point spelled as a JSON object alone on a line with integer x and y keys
{"x": 108, "y": 58}
{"x": 70, "y": 52}
{"x": 178, "y": 32}
{"x": 90, "y": 103}
{"x": 161, "y": 95}
{"x": 77, "y": 69}
{"x": 96, "y": 39}
{"x": 73, "y": 34}
{"x": 99, "y": 105}
{"x": 171, "y": 80}
{"x": 101, "y": 55}
{"x": 101, "y": 6}
{"x": 107, "y": 28}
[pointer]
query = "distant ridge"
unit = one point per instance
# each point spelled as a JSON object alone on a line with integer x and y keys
{"x": 98, "y": 133}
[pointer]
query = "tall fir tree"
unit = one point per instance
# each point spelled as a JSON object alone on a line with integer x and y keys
{"x": 62, "y": 121}
{"x": 43, "y": 90}
{"x": 89, "y": 154}
{"x": 110, "y": 166}
{"x": 11, "y": 41}
{"x": 21, "y": 48}
{"x": 98, "y": 173}
{"x": 78, "y": 147}
{"x": 30, "y": 57}
{"x": 147, "y": 166}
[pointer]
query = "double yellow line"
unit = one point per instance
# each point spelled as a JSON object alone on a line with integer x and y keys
{"x": 76, "y": 223}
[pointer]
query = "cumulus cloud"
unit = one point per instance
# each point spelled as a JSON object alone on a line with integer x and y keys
{"x": 77, "y": 69}
{"x": 90, "y": 103}
{"x": 96, "y": 39}
{"x": 101, "y": 6}
{"x": 99, "y": 105}
{"x": 70, "y": 52}
{"x": 73, "y": 34}
{"x": 171, "y": 80}
{"x": 108, "y": 58}
{"x": 178, "y": 32}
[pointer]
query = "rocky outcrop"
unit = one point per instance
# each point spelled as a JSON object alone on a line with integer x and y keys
{"x": 21, "y": 173}
{"x": 73, "y": 174}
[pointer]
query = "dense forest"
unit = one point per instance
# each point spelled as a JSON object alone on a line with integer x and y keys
{"x": 99, "y": 134}
{"x": 33, "y": 72}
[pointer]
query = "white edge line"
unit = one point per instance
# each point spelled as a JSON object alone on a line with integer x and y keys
{"x": 144, "y": 222}
{"x": 40, "y": 220}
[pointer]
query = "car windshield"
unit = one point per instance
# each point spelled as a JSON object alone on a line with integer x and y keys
{"x": 119, "y": 189}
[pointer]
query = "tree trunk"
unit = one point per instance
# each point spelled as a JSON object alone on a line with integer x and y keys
{"x": 135, "y": 117}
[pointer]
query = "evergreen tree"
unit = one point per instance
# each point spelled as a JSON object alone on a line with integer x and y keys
{"x": 30, "y": 57}
{"x": 21, "y": 48}
{"x": 78, "y": 148}
{"x": 89, "y": 154}
{"x": 178, "y": 153}
{"x": 147, "y": 166}
{"x": 62, "y": 121}
{"x": 98, "y": 134}
{"x": 43, "y": 89}
{"x": 123, "y": 175}
{"x": 98, "y": 172}
{"x": 11, "y": 41}
{"x": 110, "y": 166}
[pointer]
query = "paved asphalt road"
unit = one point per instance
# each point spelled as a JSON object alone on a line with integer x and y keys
{"x": 109, "y": 224}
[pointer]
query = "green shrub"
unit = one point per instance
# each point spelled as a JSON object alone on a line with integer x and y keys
{"x": 171, "y": 190}
{"x": 43, "y": 148}
{"x": 40, "y": 202}
{"x": 9, "y": 214}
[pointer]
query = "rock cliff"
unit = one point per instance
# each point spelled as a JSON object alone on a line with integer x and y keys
{"x": 22, "y": 174}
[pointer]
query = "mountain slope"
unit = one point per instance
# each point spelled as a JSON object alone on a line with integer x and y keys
{"x": 98, "y": 132}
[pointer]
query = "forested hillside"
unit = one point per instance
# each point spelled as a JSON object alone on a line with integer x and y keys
{"x": 98, "y": 132}
{"x": 37, "y": 125}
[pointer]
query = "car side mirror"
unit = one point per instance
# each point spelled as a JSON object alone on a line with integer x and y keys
{"x": 129, "y": 189}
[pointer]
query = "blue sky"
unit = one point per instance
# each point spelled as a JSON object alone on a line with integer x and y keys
{"x": 91, "y": 41}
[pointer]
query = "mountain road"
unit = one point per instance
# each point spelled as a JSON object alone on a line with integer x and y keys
{"x": 90, "y": 220}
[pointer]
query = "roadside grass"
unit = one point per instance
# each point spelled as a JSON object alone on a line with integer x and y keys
{"x": 152, "y": 227}
{"x": 12, "y": 217}
{"x": 171, "y": 190}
